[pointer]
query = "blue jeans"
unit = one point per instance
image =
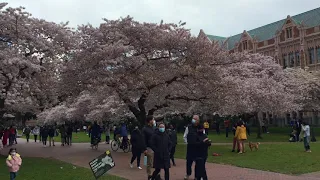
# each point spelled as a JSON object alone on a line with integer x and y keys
{"x": 306, "y": 141}
{"x": 13, "y": 175}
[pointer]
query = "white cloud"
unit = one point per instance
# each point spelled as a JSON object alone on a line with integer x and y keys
{"x": 224, "y": 18}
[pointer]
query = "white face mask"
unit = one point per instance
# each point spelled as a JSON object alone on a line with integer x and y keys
{"x": 13, "y": 153}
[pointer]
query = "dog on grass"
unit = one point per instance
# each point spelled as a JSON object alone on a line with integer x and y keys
{"x": 254, "y": 145}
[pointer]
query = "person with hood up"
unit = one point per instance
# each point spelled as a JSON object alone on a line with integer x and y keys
{"x": 137, "y": 146}
{"x": 161, "y": 145}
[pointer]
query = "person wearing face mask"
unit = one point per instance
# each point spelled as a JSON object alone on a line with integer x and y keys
{"x": 137, "y": 146}
{"x": 13, "y": 162}
{"x": 190, "y": 137}
{"x": 161, "y": 145}
{"x": 147, "y": 133}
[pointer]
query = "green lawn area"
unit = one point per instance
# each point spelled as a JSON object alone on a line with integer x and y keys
{"x": 48, "y": 169}
{"x": 287, "y": 158}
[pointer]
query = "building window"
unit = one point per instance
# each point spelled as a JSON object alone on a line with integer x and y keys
{"x": 245, "y": 45}
{"x": 291, "y": 59}
{"x": 289, "y": 32}
{"x": 297, "y": 59}
{"x": 285, "y": 62}
{"x": 311, "y": 56}
{"x": 318, "y": 54}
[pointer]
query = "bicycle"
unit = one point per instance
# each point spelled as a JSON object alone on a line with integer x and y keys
{"x": 116, "y": 144}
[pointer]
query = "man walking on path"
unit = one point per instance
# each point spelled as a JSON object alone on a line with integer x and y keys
{"x": 190, "y": 137}
{"x": 26, "y": 131}
{"x": 147, "y": 133}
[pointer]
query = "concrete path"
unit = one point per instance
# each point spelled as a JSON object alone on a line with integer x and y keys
{"x": 81, "y": 154}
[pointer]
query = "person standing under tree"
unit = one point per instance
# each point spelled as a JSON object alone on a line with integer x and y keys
{"x": 69, "y": 134}
{"x": 241, "y": 135}
{"x": 45, "y": 134}
{"x": 137, "y": 146}
{"x": 226, "y": 126}
{"x": 107, "y": 134}
{"x": 51, "y": 133}
{"x": 174, "y": 141}
{"x": 147, "y": 133}
{"x": 63, "y": 134}
{"x": 305, "y": 130}
{"x": 203, "y": 144}
{"x": 206, "y": 127}
{"x": 161, "y": 145}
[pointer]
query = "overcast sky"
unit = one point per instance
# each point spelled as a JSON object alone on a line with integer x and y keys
{"x": 216, "y": 17}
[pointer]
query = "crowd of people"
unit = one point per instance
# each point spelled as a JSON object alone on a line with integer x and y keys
{"x": 8, "y": 136}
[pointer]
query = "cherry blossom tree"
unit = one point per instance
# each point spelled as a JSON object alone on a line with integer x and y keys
{"x": 161, "y": 69}
{"x": 32, "y": 51}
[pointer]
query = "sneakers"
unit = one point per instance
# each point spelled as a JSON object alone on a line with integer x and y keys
{"x": 140, "y": 168}
{"x": 131, "y": 166}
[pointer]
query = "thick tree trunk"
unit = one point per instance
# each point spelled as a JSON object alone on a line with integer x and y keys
{"x": 2, "y": 111}
{"x": 259, "y": 117}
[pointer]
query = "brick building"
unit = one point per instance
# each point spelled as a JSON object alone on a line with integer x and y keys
{"x": 293, "y": 42}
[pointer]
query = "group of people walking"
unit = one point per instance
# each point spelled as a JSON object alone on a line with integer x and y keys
{"x": 8, "y": 134}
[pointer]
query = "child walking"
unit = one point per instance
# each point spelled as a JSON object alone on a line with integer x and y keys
{"x": 14, "y": 162}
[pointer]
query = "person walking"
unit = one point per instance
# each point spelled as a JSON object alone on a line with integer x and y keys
{"x": 14, "y": 163}
{"x": 203, "y": 144}
{"x": 69, "y": 134}
{"x": 305, "y": 130}
{"x": 15, "y": 134}
{"x": 137, "y": 146}
{"x": 36, "y": 133}
{"x": 206, "y": 127}
{"x": 26, "y": 131}
{"x": 5, "y": 137}
{"x": 174, "y": 141}
{"x": 241, "y": 135}
{"x": 52, "y": 133}
{"x": 107, "y": 134}
{"x": 63, "y": 134}
{"x": 44, "y": 135}
{"x": 161, "y": 145}
{"x": 190, "y": 137}
{"x": 12, "y": 134}
{"x": 147, "y": 133}
{"x": 95, "y": 132}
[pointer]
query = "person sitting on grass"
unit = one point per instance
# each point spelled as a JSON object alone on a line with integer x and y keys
{"x": 14, "y": 162}
{"x": 293, "y": 135}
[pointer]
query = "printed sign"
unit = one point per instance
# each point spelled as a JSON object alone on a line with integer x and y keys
{"x": 101, "y": 164}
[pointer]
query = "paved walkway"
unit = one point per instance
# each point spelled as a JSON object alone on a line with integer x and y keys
{"x": 81, "y": 154}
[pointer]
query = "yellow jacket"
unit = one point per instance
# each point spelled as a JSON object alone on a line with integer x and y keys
{"x": 206, "y": 125}
{"x": 241, "y": 133}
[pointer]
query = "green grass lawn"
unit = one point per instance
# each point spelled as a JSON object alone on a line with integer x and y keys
{"x": 287, "y": 158}
{"x": 48, "y": 169}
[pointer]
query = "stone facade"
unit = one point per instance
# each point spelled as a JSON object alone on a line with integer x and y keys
{"x": 293, "y": 42}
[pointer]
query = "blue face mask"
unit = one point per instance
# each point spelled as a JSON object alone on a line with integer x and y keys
{"x": 161, "y": 129}
{"x": 193, "y": 121}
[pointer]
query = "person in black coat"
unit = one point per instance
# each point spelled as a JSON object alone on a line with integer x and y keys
{"x": 161, "y": 145}
{"x": 137, "y": 146}
{"x": 174, "y": 140}
{"x": 203, "y": 144}
{"x": 44, "y": 135}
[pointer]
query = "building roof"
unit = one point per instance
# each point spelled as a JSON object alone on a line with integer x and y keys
{"x": 309, "y": 19}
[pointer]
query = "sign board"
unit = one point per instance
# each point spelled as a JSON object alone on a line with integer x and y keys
{"x": 101, "y": 164}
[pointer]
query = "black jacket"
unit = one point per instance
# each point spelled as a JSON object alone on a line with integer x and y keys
{"x": 161, "y": 145}
{"x": 202, "y": 147}
{"x": 137, "y": 141}
{"x": 192, "y": 142}
{"x": 44, "y": 132}
{"x": 51, "y": 132}
{"x": 147, "y": 133}
{"x": 173, "y": 136}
